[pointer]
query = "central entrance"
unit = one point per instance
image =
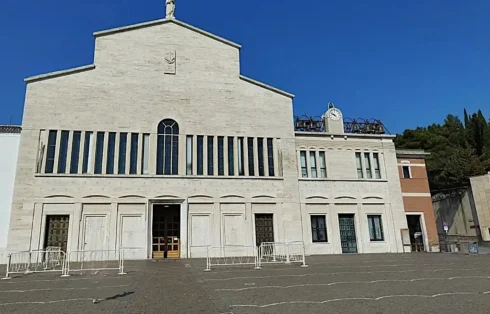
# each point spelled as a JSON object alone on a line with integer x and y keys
{"x": 166, "y": 231}
{"x": 348, "y": 238}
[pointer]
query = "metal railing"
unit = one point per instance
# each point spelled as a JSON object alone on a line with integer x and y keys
{"x": 94, "y": 261}
{"x": 231, "y": 256}
{"x": 52, "y": 259}
{"x": 277, "y": 252}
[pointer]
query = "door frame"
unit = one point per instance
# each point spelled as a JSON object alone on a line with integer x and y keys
{"x": 425, "y": 236}
{"x": 356, "y": 231}
{"x": 184, "y": 220}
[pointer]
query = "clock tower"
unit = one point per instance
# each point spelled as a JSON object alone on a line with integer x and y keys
{"x": 333, "y": 120}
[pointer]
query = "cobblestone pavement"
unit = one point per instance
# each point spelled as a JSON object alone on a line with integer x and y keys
{"x": 386, "y": 283}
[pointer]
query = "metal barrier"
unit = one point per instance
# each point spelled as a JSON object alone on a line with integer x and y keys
{"x": 231, "y": 256}
{"x": 96, "y": 260}
{"x": 277, "y": 252}
{"x": 51, "y": 259}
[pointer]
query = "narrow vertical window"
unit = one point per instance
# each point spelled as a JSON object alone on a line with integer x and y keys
{"x": 231, "y": 157}
{"x": 221, "y": 156}
{"x": 75, "y": 151}
{"x": 375, "y": 228}
{"x": 318, "y": 229}
{"x": 377, "y": 169}
{"x": 260, "y": 150}
{"x": 270, "y": 156}
{"x": 63, "y": 151}
{"x": 168, "y": 147}
{"x": 189, "y": 149}
{"x": 406, "y": 172}
{"x": 200, "y": 155}
{"x": 133, "y": 154}
{"x": 360, "y": 175}
{"x": 99, "y": 153}
{"x": 50, "y": 152}
{"x": 210, "y": 155}
{"x": 87, "y": 152}
{"x": 251, "y": 163}
{"x": 241, "y": 170}
{"x": 111, "y": 149}
{"x": 304, "y": 170}
{"x": 123, "y": 145}
{"x": 323, "y": 164}
{"x": 367, "y": 161}
{"x": 145, "y": 155}
{"x": 313, "y": 165}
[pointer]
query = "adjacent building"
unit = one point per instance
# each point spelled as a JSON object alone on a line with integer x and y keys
{"x": 417, "y": 200}
{"x": 163, "y": 147}
{"x": 480, "y": 187}
{"x": 9, "y": 147}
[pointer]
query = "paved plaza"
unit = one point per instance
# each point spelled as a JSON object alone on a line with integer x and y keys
{"x": 387, "y": 283}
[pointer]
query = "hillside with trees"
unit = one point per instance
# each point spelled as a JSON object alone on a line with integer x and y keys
{"x": 458, "y": 149}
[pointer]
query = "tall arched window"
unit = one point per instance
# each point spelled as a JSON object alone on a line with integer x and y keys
{"x": 168, "y": 147}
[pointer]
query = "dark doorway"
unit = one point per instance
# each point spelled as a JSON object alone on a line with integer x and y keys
{"x": 348, "y": 238}
{"x": 264, "y": 228}
{"x": 166, "y": 231}
{"x": 416, "y": 234}
{"x": 56, "y": 231}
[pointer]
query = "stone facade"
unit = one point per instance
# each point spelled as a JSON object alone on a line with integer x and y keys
{"x": 121, "y": 101}
{"x": 481, "y": 194}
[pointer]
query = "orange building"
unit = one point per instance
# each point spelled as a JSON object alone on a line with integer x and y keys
{"x": 417, "y": 200}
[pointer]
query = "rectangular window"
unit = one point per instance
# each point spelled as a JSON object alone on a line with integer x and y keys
{"x": 360, "y": 175}
{"x": 313, "y": 165}
{"x": 123, "y": 145}
{"x": 189, "y": 149}
{"x": 375, "y": 228}
{"x": 111, "y": 149}
{"x": 270, "y": 156}
{"x": 221, "y": 156}
{"x": 260, "y": 150}
{"x": 251, "y": 163}
{"x": 145, "y": 155}
{"x": 377, "y": 169}
{"x": 231, "y": 156}
{"x": 318, "y": 228}
{"x": 241, "y": 169}
{"x": 323, "y": 165}
{"x": 87, "y": 152}
{"x": 133, "y": 154}
{"x": 50, "y": 152}
{"x": 304, "y": 170}
{"x": 99, "y": 153}
{"x": 62, "y": 156}
{"x": 200, "y": 155}
{"x": 406, "y": 172}
{"x": 210, "y": 155}
{"x": 367, "y": 162}
{"x": 75, "y": 151}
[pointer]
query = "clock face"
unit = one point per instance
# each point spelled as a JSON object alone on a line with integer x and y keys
{"x": 335, "y": 114}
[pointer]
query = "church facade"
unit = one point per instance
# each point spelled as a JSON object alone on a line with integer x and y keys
{"x": 161, "y": 146}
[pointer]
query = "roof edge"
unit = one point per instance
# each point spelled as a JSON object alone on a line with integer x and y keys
{"x": 411, "y": 153}
{"x": 164, "y": 21}
{"x": 59, "y": 73}
{"x": 352, "y": 135}
{"x": 263, "y": 85}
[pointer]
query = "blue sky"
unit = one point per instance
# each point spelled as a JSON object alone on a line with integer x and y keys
{"x": 408, "y": 63}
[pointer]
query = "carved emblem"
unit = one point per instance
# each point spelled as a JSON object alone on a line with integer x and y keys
{"x": 170, "y": 62}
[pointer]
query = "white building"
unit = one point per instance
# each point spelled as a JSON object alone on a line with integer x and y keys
{"x": 9, "y": 147}
{"x": 161, "y": 144}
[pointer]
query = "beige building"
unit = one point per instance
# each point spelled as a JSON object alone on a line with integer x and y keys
{"x": 162, "y": 145}
{"x": 480, "y": 187}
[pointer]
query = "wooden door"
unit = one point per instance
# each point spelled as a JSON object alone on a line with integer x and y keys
{"x": 264, "y": 228}
{"x": 348, "y": 238}
{"x": 57, "y": 231}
